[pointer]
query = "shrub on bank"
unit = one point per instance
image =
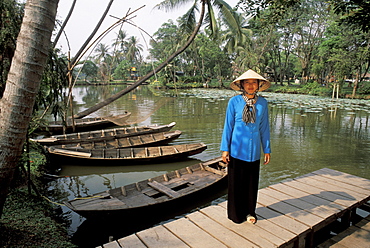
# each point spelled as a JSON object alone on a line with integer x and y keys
{"x": 27, "y": 222}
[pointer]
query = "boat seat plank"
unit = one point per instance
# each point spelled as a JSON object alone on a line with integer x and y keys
{"x": 192, "y": 235}
{"x": 162, "y": 188}
{"x": 131, "y": 241}
{"x": 159, "y": 236}
{"x": 210, "y": 169}
{"x": 150, "y": 191}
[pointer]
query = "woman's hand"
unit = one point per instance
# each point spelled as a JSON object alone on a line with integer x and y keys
{"x": 225, "y": 157}
{"x": 267, "y": 158}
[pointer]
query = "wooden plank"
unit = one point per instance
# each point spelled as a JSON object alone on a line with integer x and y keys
{"x": 328, "y": 195}
{"x": 112, "y": 244}
{"x": 332, "y": 244}
{"x": 131, "y": 241}
{"x": 342, "y": 182}
{"x": 289, "y": 210}
{"x": 345, "y": 177}
{"x": 159, "y": 236}
{"x": 284, "y": 234}
{"x": 210, "y": 169}
{"x": 282, "y": 220}
{"x": 253, "y": 233}
{"x": 191, "y": 234}
{"x": 353, "y": 237}
{"x": 310, "y": 180}
{"x": 165, "y": 190}
{"x": 218, "y": 231}
{"x": 305, "y": 205}
{"x": 331, "y": 184}
{"x": 318, "y": 201}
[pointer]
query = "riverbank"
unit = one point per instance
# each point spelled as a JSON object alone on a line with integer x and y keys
{"x": 29, "y": 221}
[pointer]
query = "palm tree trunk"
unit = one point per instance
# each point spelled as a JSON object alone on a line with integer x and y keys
{"x": 22, "y": 85}
{"x": 147, "y": 76}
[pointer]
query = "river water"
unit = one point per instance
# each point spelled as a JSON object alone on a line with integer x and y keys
{"x": 307, "y": 133}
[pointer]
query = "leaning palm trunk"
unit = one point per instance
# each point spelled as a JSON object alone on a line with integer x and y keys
{"x": 22, "y": 86}
{"x": 147, "y": 76}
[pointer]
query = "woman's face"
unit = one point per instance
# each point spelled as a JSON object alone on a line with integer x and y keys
{"x": 250, "y": 86}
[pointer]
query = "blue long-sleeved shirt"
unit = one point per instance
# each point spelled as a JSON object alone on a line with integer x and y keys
{"x": 244, "y": 141}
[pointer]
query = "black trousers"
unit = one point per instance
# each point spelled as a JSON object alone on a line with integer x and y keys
{"x": 242, "y": 189}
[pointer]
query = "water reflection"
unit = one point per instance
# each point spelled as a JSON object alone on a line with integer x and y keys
{"x": 307, "y": 133}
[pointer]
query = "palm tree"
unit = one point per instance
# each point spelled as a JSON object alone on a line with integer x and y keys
{"x": 134, "y": 50}
{"x": 223, "y": 8}
{"x": 227, "y": 14}
{"x": 121, "y": 40}
{"x": 22, "y": 85}
{"x": 101, "y": 52}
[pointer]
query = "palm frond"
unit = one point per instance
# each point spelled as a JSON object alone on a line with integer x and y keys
{"x": 187, "y": 22}
{"x": 168, "y": 5}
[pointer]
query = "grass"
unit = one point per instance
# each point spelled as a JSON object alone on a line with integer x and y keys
{"x": 27, "y": 222}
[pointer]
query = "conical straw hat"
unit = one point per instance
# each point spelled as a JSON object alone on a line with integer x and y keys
{"x": 250, "y": 74}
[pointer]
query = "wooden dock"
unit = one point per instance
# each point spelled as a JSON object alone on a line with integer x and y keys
{"x": 294, "y": 213}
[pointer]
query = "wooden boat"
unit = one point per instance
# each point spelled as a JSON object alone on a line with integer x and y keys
{"x": 166, "y": 192}
{"x": 86, "y": 124}
{"x": 104, "y": 134}
{"x": 152, "y": 139}
{"x": 123, "y": 156}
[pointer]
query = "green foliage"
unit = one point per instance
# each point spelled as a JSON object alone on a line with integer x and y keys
{"x": 364, "y": 88}
{"x": 11, "y": 14}
{"x": 26, "y": 222}
{"x": 314, "y": 88}
{"x": 122, "y": 70}
{"x": 89, "y": 70}
{"x": 353, "y": 12}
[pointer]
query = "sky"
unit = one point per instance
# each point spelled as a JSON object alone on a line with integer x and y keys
{"x": 88, "y": 12}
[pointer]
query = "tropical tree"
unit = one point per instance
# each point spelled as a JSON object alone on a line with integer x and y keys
{"x": 11, "y": 13}
{"x": 22, "y": 85}
{"x": 103, "y": 59}
{"x": 89, "y": 70}
{"x": 134, "y": 49}
{"x": 346, "y": 51}
{"x": 353, "y": 12}
{"x": 223, "y": 8}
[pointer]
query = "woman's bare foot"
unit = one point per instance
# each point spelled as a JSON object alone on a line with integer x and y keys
{"x": 251, "y": 219}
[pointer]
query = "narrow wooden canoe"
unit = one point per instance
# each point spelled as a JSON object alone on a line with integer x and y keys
{"x": 86, "y": 124}
{"x": 152, "y": 139}
{"x": 125, "y": 156}
{"x": 104, "y": 134}
{"x": 163, "y": 192}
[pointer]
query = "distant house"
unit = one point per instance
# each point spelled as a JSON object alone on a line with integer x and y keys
{"x": 366, "y": 77}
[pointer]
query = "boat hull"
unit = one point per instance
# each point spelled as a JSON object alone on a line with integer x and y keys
{"x": 101, "y": 135}
{"x": 159, "y": 204}
{"x": 124, "y": 156}
{"x": 84, "y": 124}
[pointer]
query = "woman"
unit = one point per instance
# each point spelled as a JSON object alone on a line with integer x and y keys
{"x": 246, "y": 130}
